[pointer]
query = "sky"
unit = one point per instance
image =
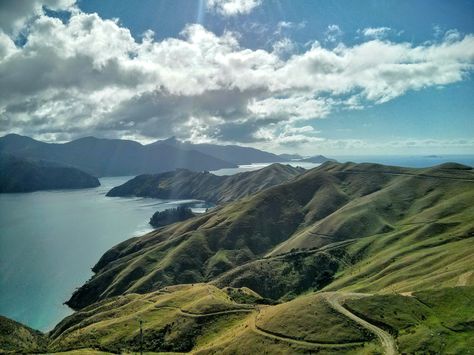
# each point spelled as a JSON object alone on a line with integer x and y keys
{"x": 300, "y": 76}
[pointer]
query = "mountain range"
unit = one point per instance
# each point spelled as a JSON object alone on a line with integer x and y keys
{"x": 116, "y": 157}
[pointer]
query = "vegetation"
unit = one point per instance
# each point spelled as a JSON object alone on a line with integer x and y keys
{"x": 344, "y": 259}
{"x": 366, "y": 227}
{"x": 185, "y": 184}
{"x": 171, "y": 215}
{"x": 17, "y": 338}
{"x": 426, "y": 322}
{"x": 24, "y": 175}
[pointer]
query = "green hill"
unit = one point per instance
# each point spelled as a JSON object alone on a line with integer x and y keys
{"x": 203, "y": 319}
{"x": 353, "y": 221}
{"x": 25, "y": 175}
{"x": 17, "y": 338}
{"x": 185, "y": 184}
{"x": 344, "y": 259}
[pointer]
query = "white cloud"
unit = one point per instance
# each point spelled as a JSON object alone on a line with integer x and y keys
{"x": 14, "y": 13}
{"x": 90, "y": 76}
{"x": 376, "y": 32}
{"x": 333, "y": 33}
{"x": 233, "y": 7}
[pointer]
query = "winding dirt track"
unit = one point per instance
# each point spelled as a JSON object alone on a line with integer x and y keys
{"x": 255, "y": 328}
{"x": 335, "y": 299}
{"x": 263, "y": 332}
{"x": 464, "y": 279}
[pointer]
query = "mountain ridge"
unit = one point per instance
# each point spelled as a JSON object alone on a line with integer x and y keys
{"x": 322, "y": 207}
{"x": 184, "y": 184}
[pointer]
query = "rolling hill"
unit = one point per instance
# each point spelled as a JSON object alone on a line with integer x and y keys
{"x": 185, "y": 184}
{"x": 343, "y": 259}
{"x": 26, "y": 175}
{"x": 203, "y": 319}
{"x": 337, "y": 224}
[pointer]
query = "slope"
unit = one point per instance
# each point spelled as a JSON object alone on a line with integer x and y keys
{"x": 321, "y": 224}
{"x": 185, "y": 184}
{"x": 17, "y": 338}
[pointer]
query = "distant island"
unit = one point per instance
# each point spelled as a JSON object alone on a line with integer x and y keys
{"x": 317, "y": 159}
{"x": 26, "y": 175}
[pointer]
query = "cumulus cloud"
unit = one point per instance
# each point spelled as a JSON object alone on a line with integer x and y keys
{"x": 14, "y": 13}
{"x": 376, "y": 32}
{"x": 333, "y": 33}
{"x": 233, "y": 7}
{"x": 90, "y": 76}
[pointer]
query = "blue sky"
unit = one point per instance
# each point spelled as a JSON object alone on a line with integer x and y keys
{"x": 332, "y": 77}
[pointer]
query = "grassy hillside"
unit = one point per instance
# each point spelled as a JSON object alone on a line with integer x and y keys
{"x": 426, "y": 322}
{"x": 185, "y": 184}
{"x": 204, "y": 319}
{"x": 17, "y": 338}
{"x": 378, "y": 220}
{"x": 344, "y": 259}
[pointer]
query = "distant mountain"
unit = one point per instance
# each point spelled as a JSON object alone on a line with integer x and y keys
{"x": 185, "y": 184}
{"x": 231, "y": 153}
{"x": 290, "y": 157}
{"x": 24, "y": 175}
{"x": 112, "y": 157}
{"x": 379, "y": 227}
{"x": 317, "y": 159}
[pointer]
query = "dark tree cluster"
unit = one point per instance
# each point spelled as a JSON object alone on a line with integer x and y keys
{"x": 172, "y": 215}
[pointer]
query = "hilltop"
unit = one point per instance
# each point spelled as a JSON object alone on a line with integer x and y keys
{"x": 338, "y": 224}
{"x": 185, "y": 184}
{"x": 25, "y": 175}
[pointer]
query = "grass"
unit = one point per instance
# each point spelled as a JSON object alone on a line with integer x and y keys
{"x": 310, "y": 318}
{"x": 15, "y": 337}
{"x": 428, "y": 322}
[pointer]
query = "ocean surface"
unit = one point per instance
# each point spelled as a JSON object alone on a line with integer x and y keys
{"x": 50, "y": 240}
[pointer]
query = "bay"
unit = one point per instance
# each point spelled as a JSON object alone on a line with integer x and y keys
{"x": 50, "y": 240}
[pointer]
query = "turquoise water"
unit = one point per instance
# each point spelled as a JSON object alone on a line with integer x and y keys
{"x": 50, "y": 240}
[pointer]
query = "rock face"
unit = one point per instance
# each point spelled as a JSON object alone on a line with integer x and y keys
{"x": 24, "y": 175}
{"x": 185, "y": 184}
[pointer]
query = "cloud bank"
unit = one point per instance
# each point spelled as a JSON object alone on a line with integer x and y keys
{"x": 90, "y": 76}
